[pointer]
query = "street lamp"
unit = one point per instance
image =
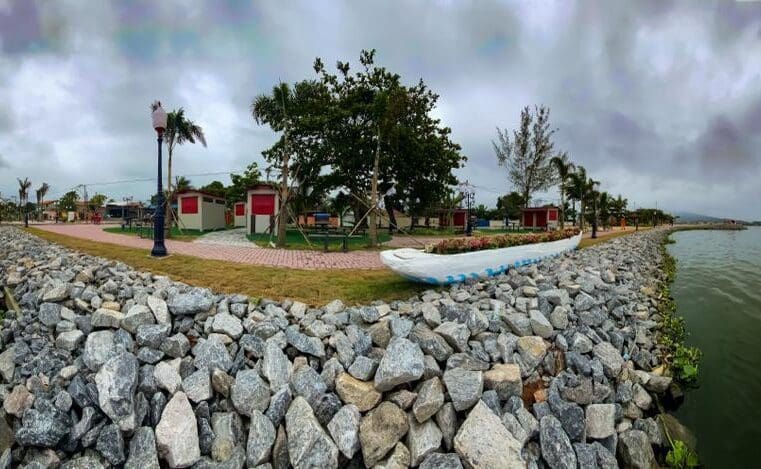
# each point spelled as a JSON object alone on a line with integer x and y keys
{"x": 159, "y": 118}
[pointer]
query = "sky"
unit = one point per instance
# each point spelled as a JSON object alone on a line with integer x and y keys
{"x": 659, "y": 100}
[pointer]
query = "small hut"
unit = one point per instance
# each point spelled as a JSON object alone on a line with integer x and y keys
{"x": 263, "y": 206}
{"x": 200, "y": 211}
{"x": 239, "y": 214}
{"x": 540, "y": 218}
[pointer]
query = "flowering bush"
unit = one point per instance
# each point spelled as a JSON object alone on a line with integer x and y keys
{"x": 458, "y": 245}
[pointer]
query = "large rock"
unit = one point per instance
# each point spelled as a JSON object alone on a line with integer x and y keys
{"x": 422, "y": 439}
{"x": 261, "y": 437}
{"x": 177, "y": 433}
{"x": 540, "y": 324}
{"x": 532, "y": 350}
{"x": 464, "y": 387}
{"x": 441, "y": 461}
{"x": 116, "y": 382}
{"x": 43, "y": 426}
{"x": 69, "y": 340}
{"x": 197, "y": 301}
{"x": 556, "y": 446}
{"x": 212, "y": 354}
{"x": 611, "y": 359}
{"x": 359, "y": 393}
{"x": 250, "y": 393}
{"x": 197, "y": 386}
{"x": 308, "y": 444}
{"x": 344, "y": 428}
{"x": 505, "y": 378}
{"x": 601, "y": 420}
{"x": 137, "y": 316}
{"x": 634, "y": 450}
{"x": 402, "y": 363}
{"x": 304, "y": 343}
{"x": 18, "y": 401}
{"x": 160, "y": 310}
{"x": 429, "y": 400}
{"x": 484, "y": 443}
{"x": 7, "y": 365}
{"x": 275, "y": 366}
{"x": 142, "y": 450}
{"x": 380, "y": 430}
{"x": 167, "y": 377}
{"x": 99, "y": 347}
{"x": 456, "y": 335}
{"x": 227, "y": 324}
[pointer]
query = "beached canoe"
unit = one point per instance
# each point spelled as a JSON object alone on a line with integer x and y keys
{"x": 443, "y": 269}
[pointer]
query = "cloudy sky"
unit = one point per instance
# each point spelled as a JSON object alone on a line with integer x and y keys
{"x": 660, "y": 100}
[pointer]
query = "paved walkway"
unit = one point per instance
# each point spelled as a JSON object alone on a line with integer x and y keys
{"x": 310, "y": 260}
{"x": 234, "y": 237}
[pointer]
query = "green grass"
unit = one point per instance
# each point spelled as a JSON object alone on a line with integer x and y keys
{"x": 314, "y": 287}
{"x": 176, "y": 234}
{"x": 295, "y": 240}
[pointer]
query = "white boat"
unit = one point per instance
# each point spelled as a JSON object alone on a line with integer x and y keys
{"x": 443, "y": 269}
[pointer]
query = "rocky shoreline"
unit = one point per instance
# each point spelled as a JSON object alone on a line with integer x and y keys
{"x": 552, "y": 365}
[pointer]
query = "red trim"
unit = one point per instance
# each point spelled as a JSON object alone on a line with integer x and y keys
{"x": 240, "y": 209}
{"x": 262, "y": 204}
{"x": 189, "y": 205}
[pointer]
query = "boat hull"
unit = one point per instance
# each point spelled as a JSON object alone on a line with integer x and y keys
{"x": 443, "y": 269}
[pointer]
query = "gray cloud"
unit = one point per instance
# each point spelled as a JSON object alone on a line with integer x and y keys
{"x": 661, "y": 100}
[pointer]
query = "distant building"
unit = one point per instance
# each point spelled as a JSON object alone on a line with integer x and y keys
{"x": 459, "y": 217}
{"x": 544, "y": 218}
{"x": 201, "y": 211}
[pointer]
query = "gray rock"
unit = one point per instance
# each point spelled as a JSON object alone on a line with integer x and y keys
{"x": 422, "y": 439}
{"x": 227, "y": 324}
{"x": 99, "y": 347}
{"x": 380, "y": 430}
{"x": 601, "y": 420}
{"x": 304, "y": 343}
{"x": 116, "y": 383}
{"x": 539, "y": 324}
{"x": 402, "y": 363}
{"x": 57, "y": 293}
{"x": 111, "y": 444}
{"x": 249, "y": 393}
{"x": 532, "y": 350}
{"x": 441, "y": 461}
{"x": 430, "y": 342}
{"x": 43, "y": 426}
{"x": 159, "y": 309}
{"x": 136, "y": 316}
{"x": 556, "y": 296}
{"x": 556, "y": 447}
{"x": 228, "y": 435}
{"x": 261, "y": 437}
{"x": 519, "y": 324}
{"x": 610, "y": 358}
{"x": 152, "y": 335}
{"x": 464, "y": 387}
{"x": 197, "y": 301}
{"x": 177, "y": 433}
{"x": 455, "y": 334}
{"x": 446, "y": 419}
{"x": 212, "y": 354}
{"x": 399, "y": 458}
{"x": 308, "y": 444}
{"x": 197, "y": 386}
{"x": 641, "y": 398}
{"x": 142, "y": 450}
{"x": 363, "y": 368}
{"x": 505, "y": 378}
{"x": 167, "y": 377}
{"x": 275, "y": 366}
{"x": 344, "y": 428}
{"x": 483, "y": 442}
{"x": 176, "y": 346}
{"x": 18, "y": 401}
{"x": 50, "y": 313}
{"x": 7, "y": 365}
{"x": 634, "y": 450}
{"x": 429, "y": 400}
{"x": 583, "y": 302}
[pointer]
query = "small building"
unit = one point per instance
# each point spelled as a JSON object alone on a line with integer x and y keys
{"x": 200, "y": 211}
{"x": 239, "y": 214}
{"x": 542, "y": 218}
{"x": 459, "y": 218}
{"x": 263, "y": 206}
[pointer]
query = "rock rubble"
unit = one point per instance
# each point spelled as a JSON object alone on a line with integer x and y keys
{"x": 549, "y": 365}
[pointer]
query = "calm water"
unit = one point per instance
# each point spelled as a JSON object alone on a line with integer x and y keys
{"x": 718, "y": 291}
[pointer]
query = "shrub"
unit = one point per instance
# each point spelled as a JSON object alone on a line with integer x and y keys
{"x": 459, "y": 245}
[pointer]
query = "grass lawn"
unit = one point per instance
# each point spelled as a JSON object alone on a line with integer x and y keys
{"x": 606, "y": 236}
{"x": 185, "y": 235}
{"x": 313, "y": 287}
{"x": 295, "y": 240}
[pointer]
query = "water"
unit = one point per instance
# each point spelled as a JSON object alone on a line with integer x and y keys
{"x": 718, "y": 291}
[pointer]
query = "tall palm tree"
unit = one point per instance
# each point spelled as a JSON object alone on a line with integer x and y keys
{"x": 182, "y": 183}
{"x": 576, "y": 190}
{"x": 23, "y": 195}
{"x": 564, "y": 169}
{"x": 41, "y": 193}
{"x": 591, "y": 195}
{"x": 179, "y": 130}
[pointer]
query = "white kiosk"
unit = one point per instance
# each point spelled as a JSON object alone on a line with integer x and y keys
{"x": 200, "y": 211}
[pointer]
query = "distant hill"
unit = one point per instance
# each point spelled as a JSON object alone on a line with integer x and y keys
{"x": 691, "y": 217}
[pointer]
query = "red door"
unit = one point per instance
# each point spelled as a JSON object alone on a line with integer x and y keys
{"x": 541, "y": 219}
{"x": 262, "y": 204}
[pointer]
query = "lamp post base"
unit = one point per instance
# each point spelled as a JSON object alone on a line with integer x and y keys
{"x": 159, "y": 250}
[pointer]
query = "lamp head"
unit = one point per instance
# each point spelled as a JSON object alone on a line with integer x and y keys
{"x": 159, "y": 117}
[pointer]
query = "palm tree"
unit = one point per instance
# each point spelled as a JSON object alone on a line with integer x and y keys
{"x": 576, "y": 190}
{"x": 181, "y": 183}
{"x": 41, "y": 193}
{"x": 604, "y": 201}
{"x": 564, "y": 169}
{"x": 179, "y": 130}
{"x": 23, "y": 195}
{"x": 591, "y": 195}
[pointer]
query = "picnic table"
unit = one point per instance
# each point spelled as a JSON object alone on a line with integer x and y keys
{"x": 327, "y": 233}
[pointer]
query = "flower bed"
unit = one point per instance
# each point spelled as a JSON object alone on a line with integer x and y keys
{"x": 459, "y": 245}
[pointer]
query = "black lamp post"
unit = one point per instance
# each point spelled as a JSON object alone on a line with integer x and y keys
{"x": 159, "y": 124}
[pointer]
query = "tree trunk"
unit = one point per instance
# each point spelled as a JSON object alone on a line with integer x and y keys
{"x": 282, "y": 217}
{"x": 374, "y": 197}
{"x": 389, "y": 202}
{"x": 168, "y": 219}
{"x": 581, "y": 214}
{"x": 562, "y": 209}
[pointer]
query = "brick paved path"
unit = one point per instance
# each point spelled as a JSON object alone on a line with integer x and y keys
{"x": 311, "y": 260}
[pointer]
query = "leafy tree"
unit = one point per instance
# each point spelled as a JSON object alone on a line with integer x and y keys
{"x": 563, "y": 168}
{"x": 23, "y": 195}
{"x": 98, "y": 200}
{"x": 215, "y": 188}
{"x": 528, "y": 153}
{"x": 510, "y": 205}
{"x": 68, "y": 202}
{"x": 576, "y": 189}
{"x": 236, "y": 192}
